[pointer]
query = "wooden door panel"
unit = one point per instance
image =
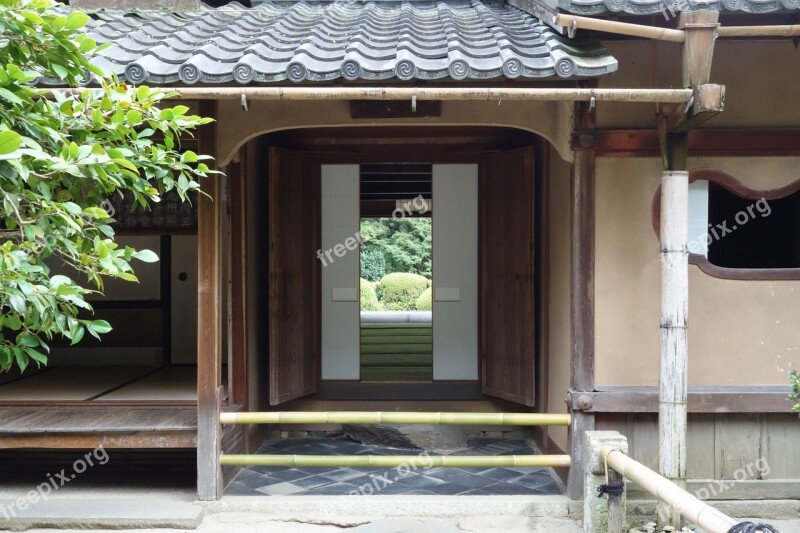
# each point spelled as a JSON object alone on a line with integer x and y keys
{"x": 293, "y": 275}
{"x": 506, "y": 275}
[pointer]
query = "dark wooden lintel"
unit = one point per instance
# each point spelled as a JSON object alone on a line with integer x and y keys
{"x": 377, "y": 109}
{"x": 702, "y": 142}
{"x": 701, "y": 400}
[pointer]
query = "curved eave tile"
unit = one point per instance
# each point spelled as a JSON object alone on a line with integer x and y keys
{"x": 325, "y": 41}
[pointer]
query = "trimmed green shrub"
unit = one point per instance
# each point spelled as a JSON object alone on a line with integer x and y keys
{"x": 794, "y": 397}
{"x": 369, "y": 300}
{"x": 399, "y": 291}
{"x": 425, "y": 300}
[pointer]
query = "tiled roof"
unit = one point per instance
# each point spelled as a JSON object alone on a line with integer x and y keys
{"x": 670, "y": 7}
{"x": 350, "y": 40}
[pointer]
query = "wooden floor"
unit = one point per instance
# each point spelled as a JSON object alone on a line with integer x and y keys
{"x": 102, "y": 383}
{"x": 92, "y": 425}
{"x": 80, "y": 407}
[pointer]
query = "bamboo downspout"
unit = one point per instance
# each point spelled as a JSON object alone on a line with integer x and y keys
{"x": 667, "y": 96}
{"x": 577, "y": 22}
{"x": 379, "y": 417}
{"x": 673, "y": 391}
{"x": 622, "y": 28}
{"x": 690, "y": 507}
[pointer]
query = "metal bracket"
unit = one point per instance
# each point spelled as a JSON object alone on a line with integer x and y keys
{"x": 544, "y": 10}
{"x": 572, "y": 30}
{"x": 414, "y": 103}
{"x": 244, "y": 102}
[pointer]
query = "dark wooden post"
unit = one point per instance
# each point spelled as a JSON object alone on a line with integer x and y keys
{"x": 616, "y": 503}
{"x": 582, "y": 188}
{"x": 209, "y": 321}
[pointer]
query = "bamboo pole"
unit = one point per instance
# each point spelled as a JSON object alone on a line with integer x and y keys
{"x": 670, "y": 35}
{"x": 621, "y": 28}
{"x": 690, "y": 507}
{"x": 673, "y": 391}
{"x": 382, "y": 417}
{"x": 667, "y": 96}
{"x": 393, "y": 461}
{"x": 792, "y": 30}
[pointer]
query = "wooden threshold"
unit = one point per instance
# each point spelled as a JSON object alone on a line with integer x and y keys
{"x": 89, "y": 425}
{"x": 354, "y": 390}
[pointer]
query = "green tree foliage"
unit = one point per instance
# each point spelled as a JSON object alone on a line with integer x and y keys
{"x": 61, "y": 156}
{"x": 373, "y": 263}
{"x": 369, "y": 300}
{"x": 405, "y": 244}
{"x": 399, "y": 291}
{"x": 425, "y": 300}
{"x": 794, "y": 397}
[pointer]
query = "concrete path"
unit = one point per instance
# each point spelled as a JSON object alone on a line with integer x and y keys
{"x": 249, "y": 523}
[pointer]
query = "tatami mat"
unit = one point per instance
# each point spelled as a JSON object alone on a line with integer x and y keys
{"x": 169, "y": 383}
{"x": 70, "y": 383}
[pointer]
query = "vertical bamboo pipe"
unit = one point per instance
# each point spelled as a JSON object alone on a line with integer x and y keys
{"x": 673, "y": 390}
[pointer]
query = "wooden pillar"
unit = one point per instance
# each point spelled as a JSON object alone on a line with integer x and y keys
{"x": 209, "y": 321}
{"x": 698, "y": 52}
{"x": 582, "y": 254}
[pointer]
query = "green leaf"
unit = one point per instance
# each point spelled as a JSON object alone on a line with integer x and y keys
{"x": 142, "y": 92}
{"x": 10, "y": 97}
{"x": 87, "y": 45}
{"x": 17, "y": 303}
{"x": 76, "y": 20}
{"x": 189, "y": 157}
{"x": 77, "y": 335}
{"x": 10, "y": 141}
{"x": 146, "y": 256}
{"x": 36, "y": 356}
{"x": 95, "y": 212}
{"x": 22, "y": 361}
{"x": 30, "y": 341}
{"x": 60, "y": 71}
{"x": 101, "y": 326}
{"x": 12, "y": 322}
{"x": 133, "y": 117}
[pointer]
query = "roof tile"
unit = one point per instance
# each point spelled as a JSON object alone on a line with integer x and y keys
{"x": 352, "y": 40}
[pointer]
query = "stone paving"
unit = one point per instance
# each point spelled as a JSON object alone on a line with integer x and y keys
{"x": 317, "y": 481}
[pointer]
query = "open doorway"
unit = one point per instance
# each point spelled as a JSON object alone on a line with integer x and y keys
{"x": 395, "y": 287}
{"x": 481, "y": 215}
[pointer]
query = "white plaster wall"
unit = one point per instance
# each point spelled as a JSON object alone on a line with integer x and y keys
{"x": 340, "y": 312}
{"x": 455, "y": 272}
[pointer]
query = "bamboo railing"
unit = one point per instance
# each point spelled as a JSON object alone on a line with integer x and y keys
{"x": 392, "y": 417}
{"x": 690, "y": 507}
{"x": 391, "y": 461}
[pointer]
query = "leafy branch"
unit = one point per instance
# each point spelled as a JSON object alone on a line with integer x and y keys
{"x": 61, "y": 156}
